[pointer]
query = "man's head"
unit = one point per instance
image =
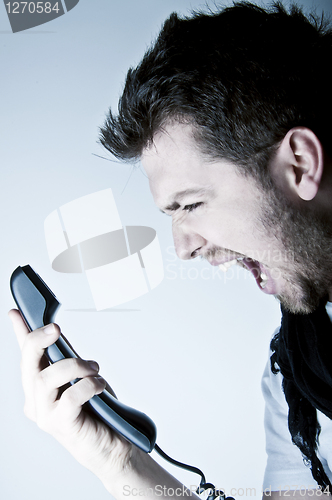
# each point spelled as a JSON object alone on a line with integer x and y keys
{"x": 221, "y": 215}
{"x": 241, "y": 81}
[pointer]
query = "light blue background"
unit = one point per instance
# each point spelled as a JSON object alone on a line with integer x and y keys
{"x": 190, "y": 353}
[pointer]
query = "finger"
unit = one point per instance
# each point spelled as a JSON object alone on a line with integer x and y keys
{"x": 20, "y": 328}
{"x": 33, "y": 361}
{"x": 55, "y": 376}
{"x": 34, "y": 347}
{"x": 72, "y": 400}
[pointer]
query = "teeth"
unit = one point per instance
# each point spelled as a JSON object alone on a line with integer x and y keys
{"x": 264, "y": 280}
{"x": 226, "y": 265}
{"x": 230, "y": 263}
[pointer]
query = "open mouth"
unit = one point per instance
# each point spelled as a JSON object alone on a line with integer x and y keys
{"x": 261, "y": 275}
{"x": 256, "y": 270}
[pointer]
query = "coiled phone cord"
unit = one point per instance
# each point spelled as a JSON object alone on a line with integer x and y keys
{"x": 203, "y": 484}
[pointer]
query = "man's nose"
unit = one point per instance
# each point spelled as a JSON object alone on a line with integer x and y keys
{"x": 188, "y": 244}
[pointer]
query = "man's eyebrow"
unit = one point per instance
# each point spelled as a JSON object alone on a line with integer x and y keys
{"x": 182, "y": 194}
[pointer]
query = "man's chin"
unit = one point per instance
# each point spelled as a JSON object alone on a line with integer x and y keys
{"x": 303, "y": 305}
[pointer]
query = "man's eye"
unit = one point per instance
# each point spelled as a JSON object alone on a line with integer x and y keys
{"x": 193, "y": 206}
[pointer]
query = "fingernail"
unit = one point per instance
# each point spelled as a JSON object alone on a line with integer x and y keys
{"x": 49, "y": 329}
{"x": 94, "y": 366}
{"x": 100, "y": 379}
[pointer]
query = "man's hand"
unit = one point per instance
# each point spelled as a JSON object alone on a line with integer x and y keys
{"x": 56, "y": 406}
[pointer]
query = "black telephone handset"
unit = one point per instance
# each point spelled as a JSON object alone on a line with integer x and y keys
{"x": 38, "y": 306}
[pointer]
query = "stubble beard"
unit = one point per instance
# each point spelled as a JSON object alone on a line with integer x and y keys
{"x": 307, "y": 237}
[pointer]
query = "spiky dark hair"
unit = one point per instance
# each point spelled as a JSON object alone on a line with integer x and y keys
{"x": 242, "y": 76}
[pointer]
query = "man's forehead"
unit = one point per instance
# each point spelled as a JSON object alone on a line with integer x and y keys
{"x": 173, "y": 139}
{"x": 171, "y": 178}
{"x": 172, "y": 184}
{"x": 177, "y": 169}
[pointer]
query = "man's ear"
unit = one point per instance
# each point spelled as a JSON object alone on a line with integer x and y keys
{"x": 299, "y": 163}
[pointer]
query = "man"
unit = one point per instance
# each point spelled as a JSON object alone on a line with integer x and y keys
{"x": 230, "y": 116}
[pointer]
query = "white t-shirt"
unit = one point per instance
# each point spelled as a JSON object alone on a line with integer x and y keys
{"x": 285, "y": 468}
